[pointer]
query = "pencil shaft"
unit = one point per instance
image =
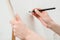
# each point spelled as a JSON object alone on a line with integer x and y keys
{"x": 43, "y": 10}
{"x": 47, "y": 9}
{"x": 13, "y": 37}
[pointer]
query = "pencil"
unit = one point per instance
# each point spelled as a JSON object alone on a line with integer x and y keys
{"x": 43, "y": 9}
{"x": 47, "y": 9}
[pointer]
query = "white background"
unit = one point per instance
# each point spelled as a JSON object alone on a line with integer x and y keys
{"x": 22, "y": 7}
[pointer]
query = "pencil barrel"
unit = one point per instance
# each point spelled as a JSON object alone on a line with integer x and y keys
{"x": 13, "y": 37}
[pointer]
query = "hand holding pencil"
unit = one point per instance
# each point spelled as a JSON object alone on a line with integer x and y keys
{"x": 46, "y": 20}
{"x": 43, "y": 17}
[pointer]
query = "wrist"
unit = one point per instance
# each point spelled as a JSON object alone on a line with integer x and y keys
{"x": 51, "y": 24}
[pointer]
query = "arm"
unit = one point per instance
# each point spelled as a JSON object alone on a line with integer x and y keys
{"x": 55, "y": 27}
{"x": 45, "y": 19}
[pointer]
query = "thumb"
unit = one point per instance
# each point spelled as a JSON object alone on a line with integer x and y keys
{"x": 17, "y": 17}
{"x": 38, "y": 12}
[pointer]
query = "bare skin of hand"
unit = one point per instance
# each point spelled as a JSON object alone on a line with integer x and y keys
{"x": 19, "y": 28}
{"x": 22, "y": 31}
{"x": 45, "y": 19}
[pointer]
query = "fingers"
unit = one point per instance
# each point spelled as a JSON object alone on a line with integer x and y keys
{"x": 17, "y": 17}
{"x": 16, "y": 33}
{"x": 38, "y": 12}
{"x": 13, "y": 21}
{"x": 35, "y": 15}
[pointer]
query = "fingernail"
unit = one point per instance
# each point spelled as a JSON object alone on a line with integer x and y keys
{"x": 36, "y": 10}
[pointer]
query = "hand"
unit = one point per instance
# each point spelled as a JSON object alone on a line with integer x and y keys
{"x": 43, "y": 17}
{"x": 21, "y": 31}
{"x": 47, "y": 21}
{"x": 19, "y": 28}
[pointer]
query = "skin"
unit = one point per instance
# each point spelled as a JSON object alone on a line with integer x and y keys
{"x": 22, "y": 31}
{"x": 45, "y": 19}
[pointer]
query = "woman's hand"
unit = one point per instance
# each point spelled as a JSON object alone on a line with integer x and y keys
{"x": 22, "y": 31}
{"x": 43, "y": 17}
{"x": 19, "y": 28}
{"x": 47, "y": 21}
